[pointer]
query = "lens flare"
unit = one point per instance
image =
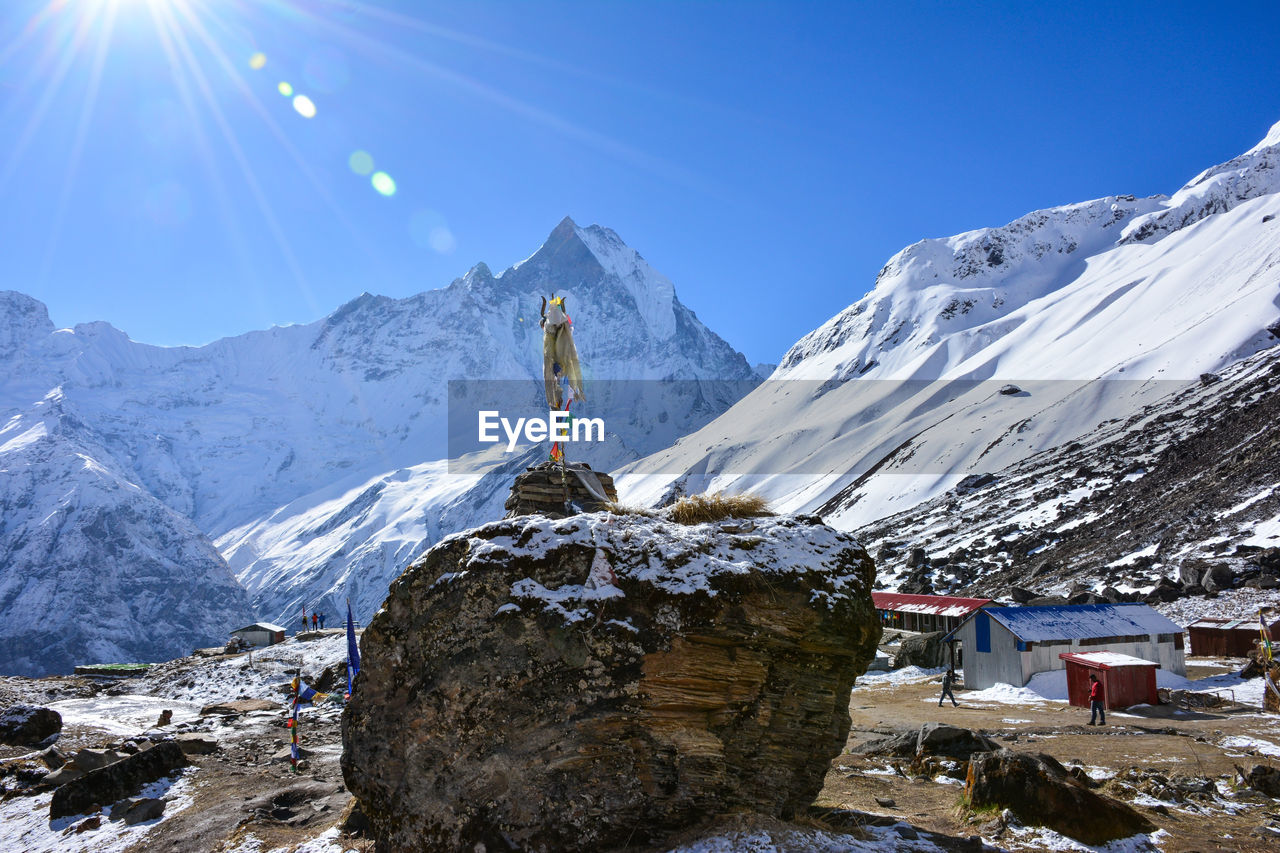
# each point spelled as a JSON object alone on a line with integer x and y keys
{"x": 305, "y": 107}
{"x": 383, "y": 183}
{"x": 258, "y": 61}
{"x": 285, "y": 89}
{"x": 361, "y": 162}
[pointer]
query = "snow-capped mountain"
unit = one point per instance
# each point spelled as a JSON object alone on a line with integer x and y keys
{"x": 334, "y": 431}
{"x": 1080, "y": 314}
{"x": 92, "y": 567}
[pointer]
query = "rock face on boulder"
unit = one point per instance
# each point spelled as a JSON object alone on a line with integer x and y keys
{"x": 577, "y": 684}
{"x": 28, "y": 725}
{"x": 1040, "y": 792}
{"x": 923, "y": 650}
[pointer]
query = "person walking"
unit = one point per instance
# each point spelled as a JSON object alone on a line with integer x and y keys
{"x": 1097, "y": 702}
{"x": 948, "y": 679}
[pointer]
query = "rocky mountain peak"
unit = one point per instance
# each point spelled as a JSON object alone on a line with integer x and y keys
{"x": 22, "y": 319}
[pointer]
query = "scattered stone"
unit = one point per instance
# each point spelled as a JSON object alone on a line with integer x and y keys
{"x": 602, "y": 680}
{"x": 166, "y": 717}
{"x": 137, "y": 809}
{"x": 353, "y": 821}
{"x": 116, "y": 781}
{"x": 192, "y": 743}
{"x": 286, "y": 754}
{"x": 1218, "y": 577}
{"x": 51, "y": 758}
{"x": 939, "y": 739}
{"x": 887, "y": 802}
{"x": 240, "y": 706}
{"x": 1022, "y": 595}
{"x": 63, "y": 775}
{"x": 930, "y": 740}
{"x": 92, "y": 822}
{"x": 1037, "y": 790}
{"x": 1010, "y": 390}
{"x": 1209, "y": 378}
{"x": 28, "y": 725}
{"x": 92, "y": 759}
{"x": 1263, "y": 779}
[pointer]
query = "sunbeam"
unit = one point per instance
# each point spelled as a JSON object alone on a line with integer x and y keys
{"x": 67, "y": 58}
{"x": 82, "y": 132}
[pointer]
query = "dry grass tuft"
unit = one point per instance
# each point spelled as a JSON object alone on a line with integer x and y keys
{"x": 698, "y": 509}
{"x": 628, "y": 509}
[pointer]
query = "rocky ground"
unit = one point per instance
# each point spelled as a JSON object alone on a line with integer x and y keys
{"x": 238, "y": 794}
{"x": 1177, "y": 767}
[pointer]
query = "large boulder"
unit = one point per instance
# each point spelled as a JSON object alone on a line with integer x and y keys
{"x": 124, "y": 778}
{"x": 28, "y": 725}
{"x": 1039, "y": 792}
{"x": 923, "y": 650}
{"x": 1218, "y": 577}
{"x": 577, "y": 684}
{"x": 931, "y": 740}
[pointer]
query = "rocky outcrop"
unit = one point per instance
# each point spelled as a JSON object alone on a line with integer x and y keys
{"x": 1039, "y": 792}
{"x": 579, "y": 684}
{"x": 114, "y": 782}
{"x": 28, "y": 725}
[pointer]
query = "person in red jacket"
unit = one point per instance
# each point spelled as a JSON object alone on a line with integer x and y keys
{"x": 1097, "y": 702}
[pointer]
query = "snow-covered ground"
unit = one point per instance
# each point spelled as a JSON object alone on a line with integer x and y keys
{"x": 125, "y": 715}
{"x": 259, "y": 675}
{"x": 27, "y": 827}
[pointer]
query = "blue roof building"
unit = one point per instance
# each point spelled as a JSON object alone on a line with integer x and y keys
{"x": 1010, "y": 644}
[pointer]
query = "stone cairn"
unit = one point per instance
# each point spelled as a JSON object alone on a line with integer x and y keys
{"x": 547, "y": 489}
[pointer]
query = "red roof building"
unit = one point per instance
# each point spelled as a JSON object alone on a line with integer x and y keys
{"x": 1126, "y": 680}
{"x": 924, "y": 613}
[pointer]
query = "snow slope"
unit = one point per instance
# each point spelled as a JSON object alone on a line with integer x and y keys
{"x": 1090, "y": 310}
{"x": 306, "y": 452}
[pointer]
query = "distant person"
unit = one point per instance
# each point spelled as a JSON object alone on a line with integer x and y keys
{"x": 304, "y": 620}
{"x": 321, "y": 621}
{"x": 948, "y": 679}
{"x": 315, "y": 621}
{"x": 1097, "y": 702}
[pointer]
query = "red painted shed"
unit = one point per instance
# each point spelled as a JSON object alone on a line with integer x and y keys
{"x": 1126, "y": 680}
{"x": 1232, "y": 638}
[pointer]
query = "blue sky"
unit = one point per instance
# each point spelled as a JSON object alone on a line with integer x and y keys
{"x": 767, "y": 157}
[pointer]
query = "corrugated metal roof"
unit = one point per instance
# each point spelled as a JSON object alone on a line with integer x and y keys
{"x": 934, "y": 605}
{"x": 259, "y": 626}
{"x": 1209, "y": 622}
{"x": 1082, "y": 621}
{"x": 1106, "y": 660}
